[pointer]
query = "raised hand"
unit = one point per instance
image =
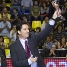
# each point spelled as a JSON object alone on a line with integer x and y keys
{"x": 57, "y": 14}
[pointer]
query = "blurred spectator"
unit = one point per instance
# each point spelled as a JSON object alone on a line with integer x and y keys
{"x": 5, "y": 12}
{"x": 50, "y": 52}
{"x": 13, "y": 34}
{"x": 44, "y": 9}
{"x": 45, "y": 22}
{"x": 40, "y": 45}
{"x": 4, "y": 4}
{"x": 38, "y": 29}
{"x": 15, "y": 17}
{"x": 5, "y": 27}
{"x": 24, "y": 18}
{"x": 41, "y": 1}
{"x": 35, "y": 11}
{"x": 26, "y": 4}
{"x": 50, "y": 4}
{"x": 2, "y": 44}
{"x": 58, "y": 33}
{"x": 56, "y": 25}
{"x": 65, "y": 13}
{"x": 15, "y": 2}
{"x": 62, "y": 43}
{"x": 48, "y": 43}
{"x": 2, "y": 52}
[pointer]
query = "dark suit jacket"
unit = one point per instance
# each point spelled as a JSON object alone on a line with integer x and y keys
{"x": 3, "y": 58}
{"x": 18, "y": 54}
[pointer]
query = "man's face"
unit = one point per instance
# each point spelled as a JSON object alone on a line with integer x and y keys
{"x": 24, "y": 32}
{"x": 59, "y": 28}
{"x": 14, "y": 27}
{"x": 35, "y": 3}
{"x": 5, "y": 10}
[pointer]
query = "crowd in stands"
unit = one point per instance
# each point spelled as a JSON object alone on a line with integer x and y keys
{"x": 16, "y": 11}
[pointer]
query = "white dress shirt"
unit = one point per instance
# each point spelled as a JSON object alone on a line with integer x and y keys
{"x": 29, "y": 61}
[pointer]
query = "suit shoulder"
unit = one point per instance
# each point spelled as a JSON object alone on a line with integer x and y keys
{"x": 13, "y": 45}
{"x": 32, "y": 35}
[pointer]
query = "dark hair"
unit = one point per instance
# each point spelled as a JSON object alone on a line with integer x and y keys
{"x": 2, "y": 38}
{"x": 13, "y": 25}
{"x": 4, "y": 8}
{"x": 19, "y": 25}
{"x": 44, "y": 2}
{"x": 38, "y": 28}
{"x": 35, "y": 1}
{"x": 15, "y": 9}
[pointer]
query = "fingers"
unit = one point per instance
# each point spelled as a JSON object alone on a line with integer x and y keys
{"x": 33, "y": 59}
{"x": 56, "y": 14}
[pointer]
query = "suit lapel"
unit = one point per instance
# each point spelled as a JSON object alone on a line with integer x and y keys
{"x": 20, "y": 47}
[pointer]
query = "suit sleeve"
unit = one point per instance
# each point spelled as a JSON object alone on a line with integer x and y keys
{"x": 45, "y": 32}
{"x": 15, "y": 61}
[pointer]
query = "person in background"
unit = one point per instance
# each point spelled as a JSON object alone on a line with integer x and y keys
{"x": 45, "y": 22}
{"x": 15, "y": 17}
{"x": 15, "y": 2}
{"x": 26, "y": 4}
{"x": 48, "y": 43}
{"x": 5, "y": 12}
{"x": 4, "y": 4}
{"x": 35, "y": 11}
{"x": 5, "y": 27}
{"x": 2, "y": 45}
{"x": 58, "y": 33}
{"x": 2, "y": 52}
{"x": 44, "y": 9}
{"x": 38, "y": 29}
{"x": 52, "y": 52}
{"x": 24, "y": 18}
{"x": 62, "y": 43}
{"x": 13, "y": 34}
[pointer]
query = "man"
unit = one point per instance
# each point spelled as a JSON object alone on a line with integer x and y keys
{"x": 5, "y": 27}
{"x": 26, "y": 4}
{"x": 50, "y": 52}
{"x": 19, "y": 55}
{"x": 35, "y": 11}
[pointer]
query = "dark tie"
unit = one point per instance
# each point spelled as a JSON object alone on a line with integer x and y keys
{"x": 27, "y": 49}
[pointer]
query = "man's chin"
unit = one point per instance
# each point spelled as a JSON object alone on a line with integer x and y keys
{"x": 27, "y": 35}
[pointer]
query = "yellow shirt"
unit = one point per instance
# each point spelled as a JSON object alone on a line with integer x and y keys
{"x": 8, "y": 15}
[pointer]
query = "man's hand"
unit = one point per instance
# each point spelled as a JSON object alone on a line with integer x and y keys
{"x": 57, "y": 14}
{"x": 33, "y": 59}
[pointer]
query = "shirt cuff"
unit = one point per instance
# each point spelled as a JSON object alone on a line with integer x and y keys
{"x": 29, "y": 61}
{"x": 51, "y": 22}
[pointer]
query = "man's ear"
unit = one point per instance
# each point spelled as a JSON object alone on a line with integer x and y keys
{"x": 18, "y": 32}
